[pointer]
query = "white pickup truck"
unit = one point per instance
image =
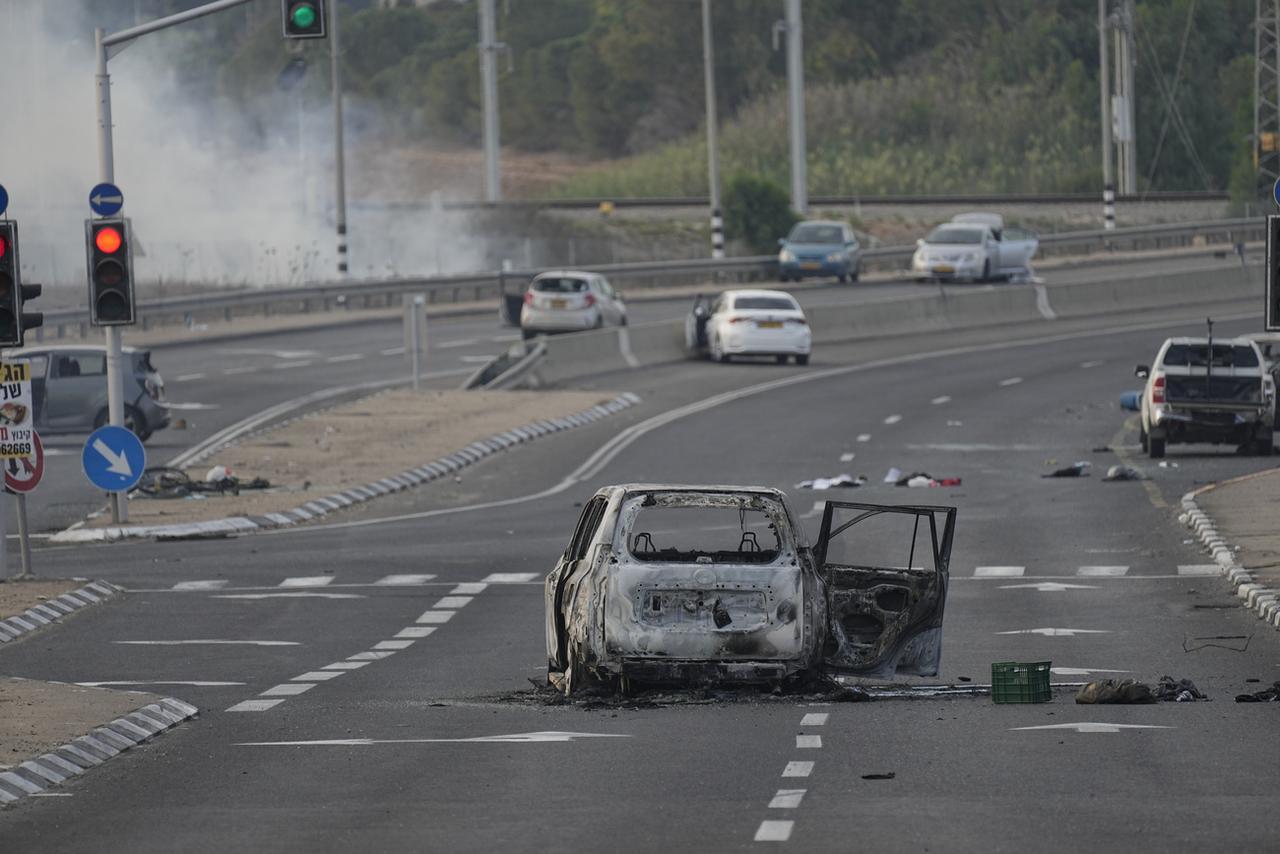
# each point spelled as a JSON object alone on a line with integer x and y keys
{"x": 1201, "y": 390}
{"x": 975, "y": 246}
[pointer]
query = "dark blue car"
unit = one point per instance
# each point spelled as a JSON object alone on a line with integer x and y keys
{"x": 820, "y": 249}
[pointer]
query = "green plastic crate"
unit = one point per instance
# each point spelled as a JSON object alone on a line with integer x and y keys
{"x": 1020, "y": 682}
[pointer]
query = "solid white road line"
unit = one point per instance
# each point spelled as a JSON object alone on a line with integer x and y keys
{"x": 941, "y": 399}
{"x": 307, "y": 581}
{"x": 1199, "y": 569}
{"x": 787, "y": 799}
{"x": 317, "y": 676}
{"x": 510, "y": 577}
{"x": 345, "y": 665}
{"x": 193, "y": 684}
{"x": 287, "y": 689}
{"x": 1011, "y": 381}
{"x": 808, "y": 741}
{"x": 774, "y": 831}
{"x": 468, "y": 588}
{"x": 436, "y": 617}
{"x": 211, "y": 584}
{"x": 1091, "y": 726}
{"x": 348, "y": 357}
{"x": 1102, "y": 571}
{"x": 999, "y": 571}
{"x": 1057, "y": 633}
{"x": 1081, "y": 671}
{"x": 893, "y": 419}
{"x": 415, "y": 632}
{"x": 452, "y": 602}
{"x": 815, "y": 719}
{"x": 285, "y": 366}
{"x": 255, "y": 705}
{"x": 1048, "y": 587}
{"x": 204, "y": 642}
{"x": 796, "y": 768}
{"x": 392, "y": 351}
{"x": 403, "y": 580}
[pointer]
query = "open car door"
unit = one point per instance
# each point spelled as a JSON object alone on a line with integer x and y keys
{"x": 884, "y": 567}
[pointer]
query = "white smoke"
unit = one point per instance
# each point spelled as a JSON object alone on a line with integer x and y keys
{"x": 216, "y": 198}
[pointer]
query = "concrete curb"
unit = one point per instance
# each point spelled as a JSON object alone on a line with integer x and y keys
{"x": 55, "y": 609}
{"x": 1262, "y": 600}
{"x": 447, "y": 465}
{"x": 74, "y": 758}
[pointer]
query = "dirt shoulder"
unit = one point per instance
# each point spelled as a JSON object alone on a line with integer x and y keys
{"x": 1245, "y": 511}
{"x": 37, "y": 717}
{"x": 355, "y": 444}
{"x": 18, "y": 596}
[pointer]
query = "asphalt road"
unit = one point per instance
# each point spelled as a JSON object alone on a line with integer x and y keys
{"x": 215, "y": 384}
{"x": 433, "y": 751}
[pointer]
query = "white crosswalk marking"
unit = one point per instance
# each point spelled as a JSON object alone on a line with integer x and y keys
{"x": 393, "y": 644}
{"x": 814, "y": 719}
{"x": 415, "y": 632}
{"x": 999, "y": 571}
{"x": 307, "y": 581}
{"x": 255, "y": 705}
{"x": 317, "y": 676}
{"x": 1102, "y": 571}
{"x": 808, "y": 741}
{"x": 287, "y": 689}
{"x": 1199, "y": 569}
{"x": 797, "y": 768}
{"x": 468, "y": 588}
{"x": 510, "y": 577}
{"x": 210, "y": 584}
{"x": 436, "y": 617}
{"x": 787, "y": 799}
{"x": 345, "y": 665}
{"x": 403, "y": 580}
{"x": 452, "y": 602}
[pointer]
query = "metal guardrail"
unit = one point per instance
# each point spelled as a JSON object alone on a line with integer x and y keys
{"x": 850, "y": 201}
{"x": 490, "y": 284}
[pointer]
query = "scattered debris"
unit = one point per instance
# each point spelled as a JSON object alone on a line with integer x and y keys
{"x": 1208, "y": 644}
{"x": 1123, "y": 473}
{"x": 166, "y": 482}
{"x": 1266, "y": 695}
{"x": 1166, "y": 464}
{"x": 840, "y": 481}
{"x": 1077, "y": 469}
{"x": 1122, "y": 691}
{"x": 918, "y": 479}
{"x": 1103, "y": 449}
{"x": 884, "y": 775}
{"x": 1178, "y": 690}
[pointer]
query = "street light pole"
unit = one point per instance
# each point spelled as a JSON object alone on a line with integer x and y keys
{"x": 713, "y": 147}
{"x": 339, "y": 153}
{"x": 489, "y": 48}
{"x": 795, "y": 103}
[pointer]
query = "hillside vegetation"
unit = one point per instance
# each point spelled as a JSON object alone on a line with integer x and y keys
{"x": 903, "y": 95}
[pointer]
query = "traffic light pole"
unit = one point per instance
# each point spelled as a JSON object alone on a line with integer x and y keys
{"x": 103, "y": 42}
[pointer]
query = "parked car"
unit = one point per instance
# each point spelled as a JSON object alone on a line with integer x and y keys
{"x": 749, "y": 323}
{"x": 69, "y": 389}
{"x": 693, "y": 584}
{"x": 570, "y": 301}
{"x": 1208, "y": 390}
{"x": 977, "y": 247}
{"x": 820, "y": 249}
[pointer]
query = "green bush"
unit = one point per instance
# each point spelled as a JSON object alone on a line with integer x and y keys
{"x": 757, "y": 212}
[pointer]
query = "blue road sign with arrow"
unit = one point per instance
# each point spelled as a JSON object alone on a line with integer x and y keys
{"x": 106, "y": 199}
{"x": 4, "y": 199}
{"x": 113, "y": 458}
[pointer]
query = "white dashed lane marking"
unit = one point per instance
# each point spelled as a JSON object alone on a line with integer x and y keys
{"x": 403, "y": 580}
{"x": 212, "y": 584}
{"x": 452, "y": 602}
{"x": 298, "y": 595}
{"x": 392, "y": 351}
{"x": 468, "y": 588}
{"x": 1091, "y": 364}
{"x": 287, "y": 366}
{"x": 349, "y": 357}
{"x": 393, "y": 644}
{"x": 1011, "y": 381}
{"x": 255, "y": 705}
{"x": 893, "y": 419}
{"x": 787, "y": 799}
{"x": 999, "y": 571}
{"x": 1199, "y": 569}
{"x": 415, "y": 632}
{"x": 797, "y": 768}
{"x": 287, "y": 690}
{"x": 307, "y": 581}
{"x": 188, "y": 377}
{"x": 317, "y": 676}
{"x": 864, "y": 437}
{"x": 461, "y": 342}
{"x": 938, "y": 401}
{"x": 231, "y": 372}
{"x": 846, "y": 457}
{"x": 814, "y": 719}
{"x": 345, "y": 665}
{"x": 436, "y": 617}
{"x": 774, "y": 831}
{"x": 808, "y": 742}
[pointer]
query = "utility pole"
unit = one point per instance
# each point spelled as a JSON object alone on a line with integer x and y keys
{"x": 489, "y": 47}
{"x": 1104, "y": 85}
{"x": 713, "y": 146}
{"x": 1123, "y": 103}
{"x": 1266, "y": 95}
{"x": 795, "y": 105}
{"x": 339, "y": 152}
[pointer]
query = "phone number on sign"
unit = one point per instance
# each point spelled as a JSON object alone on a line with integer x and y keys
{"x": 16, "y": 449}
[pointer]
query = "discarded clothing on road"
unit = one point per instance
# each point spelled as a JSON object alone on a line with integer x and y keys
{"x": 1266, "y": 695}
{"x": 1115, "y": 691}
{"x": 1123, "y": 473}
{"x": 1077, "y": 469}
{"x": 918, "y": 479}
{"x": 1178, "y": 690}
{"x": 840, "y": 481}
{"x": 166, "y": 482}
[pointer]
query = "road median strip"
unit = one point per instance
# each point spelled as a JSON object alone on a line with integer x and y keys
{"x": 54, "y": 609}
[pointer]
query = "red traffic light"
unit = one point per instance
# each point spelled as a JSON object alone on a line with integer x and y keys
{"x": 108, "y": 240}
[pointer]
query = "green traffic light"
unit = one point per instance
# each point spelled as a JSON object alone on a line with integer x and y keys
{"x": 304, "y": 16}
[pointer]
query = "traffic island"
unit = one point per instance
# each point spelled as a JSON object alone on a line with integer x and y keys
{"x": 323, "y": 462}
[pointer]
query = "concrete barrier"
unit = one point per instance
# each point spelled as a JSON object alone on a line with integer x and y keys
{"x": 1083, "y": 299}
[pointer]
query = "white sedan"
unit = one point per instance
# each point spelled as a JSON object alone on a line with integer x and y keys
{"x": 976, "y": 247}
{"x": 754, "y": 323}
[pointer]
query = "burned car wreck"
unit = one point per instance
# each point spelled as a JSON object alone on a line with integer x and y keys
{"x": 665, "y": 584}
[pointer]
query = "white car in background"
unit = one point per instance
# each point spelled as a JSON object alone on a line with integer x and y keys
{"x": 570, "y": 301}
{"x": 749, "y": 323}
{"x": 977, "y": 247}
